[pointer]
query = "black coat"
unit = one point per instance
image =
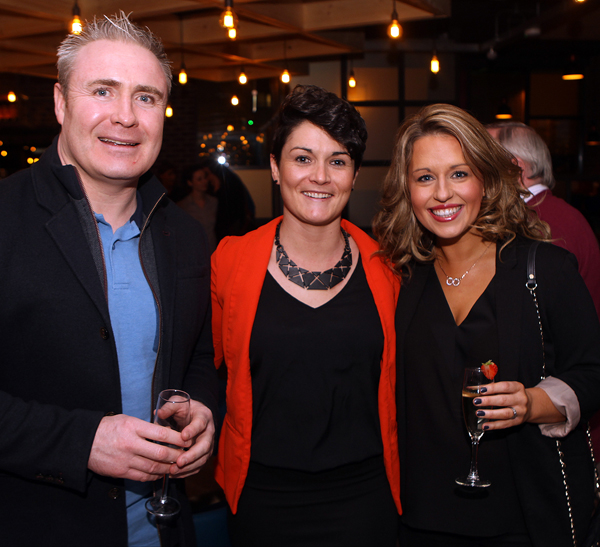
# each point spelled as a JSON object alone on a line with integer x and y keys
{"x": 59, "y": 373}
{"x": 572, "y": 341}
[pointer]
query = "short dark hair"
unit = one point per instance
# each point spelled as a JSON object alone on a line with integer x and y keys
{"x": 337, "y": 117}
{"x": 189, "y": 171}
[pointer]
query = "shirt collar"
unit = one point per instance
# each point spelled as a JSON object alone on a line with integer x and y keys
{"x": 535, "y": 189}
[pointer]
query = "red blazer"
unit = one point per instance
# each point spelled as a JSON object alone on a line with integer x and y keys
{"x": 239, "y": 266}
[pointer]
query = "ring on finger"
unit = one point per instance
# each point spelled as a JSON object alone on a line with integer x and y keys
{"x": 514, "y": 413}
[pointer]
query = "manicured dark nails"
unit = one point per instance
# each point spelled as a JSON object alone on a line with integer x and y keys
{"x": 480, "y": 413}
{"x": 483, "y": 390}
{"x": 476, "y": 401}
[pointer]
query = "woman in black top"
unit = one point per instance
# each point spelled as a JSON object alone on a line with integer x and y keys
{"x": 303, "y": 318}
{"x": 455, "y": 227}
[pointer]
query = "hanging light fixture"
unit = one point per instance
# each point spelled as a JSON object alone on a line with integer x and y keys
{"x": 394, "y": 29}
{"x": 504, "y": 112}
{"x": 76, "y": 24}
{"x": 352, "y": 79}
{"x": 234, "y": 100}
{"x": 169, "y": 111}
{"x": 242, "y": 78}
{"x": 12, "y": 96}
{"x": 435, "y": 63}
{"x": 229, "y": 20}
{"x": 182, "y": 73}
{"x": 285, "y": 75}
{"x": 573, "y": 71}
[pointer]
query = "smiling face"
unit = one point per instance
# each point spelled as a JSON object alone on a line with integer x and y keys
{"x": 112, "y": 119}
{"x": 445, "y": 192}
{"x": 316, "y": 175}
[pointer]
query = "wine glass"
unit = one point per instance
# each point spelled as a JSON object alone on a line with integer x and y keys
{"x": 473, "y": 380}
{"x": 173, "y": 411}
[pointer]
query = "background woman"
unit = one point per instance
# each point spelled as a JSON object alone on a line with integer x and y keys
{"x": 454, "y": 225}
{"x": 303, "y": 319}
{"x": 200, "y": 203}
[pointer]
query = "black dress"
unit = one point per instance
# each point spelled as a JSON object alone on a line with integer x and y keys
{"x": 437, "y": 445}
{"x": 316, "y": 474}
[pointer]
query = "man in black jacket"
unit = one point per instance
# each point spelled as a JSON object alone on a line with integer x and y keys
{"x": 105, "y": 301}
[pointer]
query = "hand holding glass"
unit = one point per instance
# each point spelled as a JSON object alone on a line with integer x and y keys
{"x": 473, "y": 380}
{"x": 173, "y": 411}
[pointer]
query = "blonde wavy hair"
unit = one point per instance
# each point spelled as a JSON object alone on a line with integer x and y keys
{"x": 503, "y": 214}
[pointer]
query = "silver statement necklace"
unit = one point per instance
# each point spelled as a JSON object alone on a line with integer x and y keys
{"x": 320, "y": 281}
{"x": 455, "y": 281}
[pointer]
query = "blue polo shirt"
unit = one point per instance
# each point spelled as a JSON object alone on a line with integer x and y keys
{"x": 134, "y": 320}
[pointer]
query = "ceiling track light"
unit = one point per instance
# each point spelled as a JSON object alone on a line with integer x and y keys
{"x": 76, "y": 24}
{"x": 394, "y": 29}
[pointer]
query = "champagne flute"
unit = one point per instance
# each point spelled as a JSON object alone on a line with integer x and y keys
{"x": 173, "y": 411}
{"x": 473, "y": 380}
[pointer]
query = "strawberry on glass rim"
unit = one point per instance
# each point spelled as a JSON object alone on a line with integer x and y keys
{"x": 489, "y": 369}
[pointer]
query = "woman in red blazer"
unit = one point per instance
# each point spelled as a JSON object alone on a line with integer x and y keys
{"x": 308, "y": 452}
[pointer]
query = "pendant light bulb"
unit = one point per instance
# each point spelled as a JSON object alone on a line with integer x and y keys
{"x": 285, "y": 76}
{"x": 234, "y": 100}
{"x": 435, "y": 64}
{"x": 243, "y": 79}
{"x": 76, "y": 24}
{"x": 228, "y": 17}
{"x": 352, "y": 80}
{"x": 232, "y": 33}
{"x": 169, "y": 111}
{"x": 395, "y": 30}
{"x": 183, "y": 78}
{"x": 12, "y": 97}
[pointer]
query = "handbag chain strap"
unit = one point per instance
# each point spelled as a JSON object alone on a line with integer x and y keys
{"x": 532, "y": 286}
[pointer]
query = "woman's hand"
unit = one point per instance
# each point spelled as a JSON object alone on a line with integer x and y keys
{"x": 513, "y": 404}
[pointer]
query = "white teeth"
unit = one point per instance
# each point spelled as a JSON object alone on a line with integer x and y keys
{"x": 445, "y": 212}
{"x": 316, "y": 195}
{"x": 110, "y": 141}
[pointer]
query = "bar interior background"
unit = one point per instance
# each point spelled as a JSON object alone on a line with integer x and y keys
{"x": 495, "y": 57}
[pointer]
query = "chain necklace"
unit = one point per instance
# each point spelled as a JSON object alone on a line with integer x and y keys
{"x": 314, "y": 280}
{"x": 455, "y": 281}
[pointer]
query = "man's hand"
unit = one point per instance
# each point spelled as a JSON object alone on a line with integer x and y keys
{"x": 123, "y": 447}
{"x": 201, "y": 434}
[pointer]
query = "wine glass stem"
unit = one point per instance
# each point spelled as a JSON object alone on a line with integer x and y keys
{"x": 165, "y": 488}
{"x": 474, "y": 450}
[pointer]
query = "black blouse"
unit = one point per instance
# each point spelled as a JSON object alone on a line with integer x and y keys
{"x": 315, "y": 376}
{"x": 438, "y": 449}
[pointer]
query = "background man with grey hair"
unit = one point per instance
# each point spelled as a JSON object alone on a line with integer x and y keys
{"x": 105, "y": 294}
{"x": 570, "y": 229}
